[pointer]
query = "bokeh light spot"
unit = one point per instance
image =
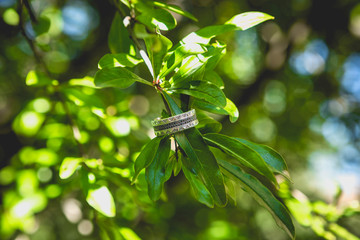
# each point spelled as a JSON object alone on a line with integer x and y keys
{"x": 106, "y": 144}
{"x": 44, "y": 174}
{"x": 118, "y": 126}
{"x": 79, "y": 19}
{"x": 263, "y": 129}
{"x": 71, "y": 209}
{"x": 312, "y": 60}
{"x": 85, "y": 227}
{"x": 41, "y": 105}
{"x": 11, "y": 17}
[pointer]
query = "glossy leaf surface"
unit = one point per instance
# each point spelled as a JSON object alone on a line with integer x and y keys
{"x": 230, "y": 109}
{"x": 102, "y": 200}
{"x": 118, "y": 60}
{"x": 117, "y": 77}
{"x": 118, "y": 39}
{"x": 157, "y": 46}
{"x": 201, "y": 162}
{"x": 241, "y": 152}
{"x": 156, "y": 173}
{"x": 201, "y": 193}
{"x": 238, "y": 22}
{"x": 68, "y": 167}
{"x": 175, "y": 9}
{"x": 204, "y": 91}
{"x": 270, "y": 156}
{"x": 157, "y": 18}
{"x": 247, "y": 20}
{"x": 263, "y": 196}
{"x": 146, "y": 156}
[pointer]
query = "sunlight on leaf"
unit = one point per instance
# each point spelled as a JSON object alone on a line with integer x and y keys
{"x": 68, "y": 167}
{"x": 118, "y": 60}
{"x": 249, "y": 19}
{"x": 37, "y": 79}
{"x": 102, "y": 200}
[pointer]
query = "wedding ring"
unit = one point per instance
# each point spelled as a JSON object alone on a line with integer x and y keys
{"x": 175, "y": 123}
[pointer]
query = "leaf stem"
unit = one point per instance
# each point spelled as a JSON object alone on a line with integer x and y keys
{"x": 166, "y": 104}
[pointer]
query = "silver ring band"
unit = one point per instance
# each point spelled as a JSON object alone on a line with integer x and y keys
{"x": 175, "y": 123}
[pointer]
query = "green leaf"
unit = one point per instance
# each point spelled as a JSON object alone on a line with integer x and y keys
{"x": 118, "y": 60}
{"x": 178, "y": 55}
{"x": 175, "y": 9}
{"x": 201, "y": 162}
{"x": 68, "y": 167}
{"x": 241, "y": 152}
{"x": 207, "y": 124}
{"x": 214, "y": 78}
{"x": 118, "y": 39}
{"x": 128, "y": 234}
{"x": 117, "y": 77}
{"x": 195, "y": 65}
{"x": 248, "y": 19}
{"x": 156, "y": 173}
{"x": 157, "y": 46}
{"x": 204, "y": 91}
{"x": 230, "y": 109}
{"x": 146, "y": 156}
{"x": 102, "y": 200}
{"x": 271, "y": 157}
{"x": 216, "y": 51}
{"x": 175, "y": 110}
{"x": 199, "y": 159}
{"x": 263, "y": 196}
{"x": 35, "y": 78}
{"x": 177, "y": 166}
{"x": 86, "y": 81}
{"x": 189, "y": 66}
{"x": 157, "y": 18}
{"x": 204, "y": 35}
{"x": 200, "y": 191}
{"x": 238, "y": 22}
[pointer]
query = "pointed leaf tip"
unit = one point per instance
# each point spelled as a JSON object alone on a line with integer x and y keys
{"x": 248, "y": 19}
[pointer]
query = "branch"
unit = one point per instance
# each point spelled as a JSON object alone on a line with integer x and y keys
{"x": 37, "y": 56}
{"x": 30, "y": 10}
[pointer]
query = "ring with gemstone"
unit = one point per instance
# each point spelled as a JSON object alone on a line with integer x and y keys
{"x": 175, "y": 123}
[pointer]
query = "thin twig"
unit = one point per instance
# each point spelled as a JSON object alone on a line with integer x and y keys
{"x": 30, "y": 10}
{"x": 129, "y": 26}
{"x": 27, "y": 38}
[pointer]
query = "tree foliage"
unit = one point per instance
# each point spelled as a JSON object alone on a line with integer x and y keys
{"x": 85, "y": 145}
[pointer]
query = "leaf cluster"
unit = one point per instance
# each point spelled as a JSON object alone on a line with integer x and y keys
{"x": 185, "y": 73}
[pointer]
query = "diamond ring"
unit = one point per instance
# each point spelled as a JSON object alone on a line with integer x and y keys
{"x": 175, "y": 123}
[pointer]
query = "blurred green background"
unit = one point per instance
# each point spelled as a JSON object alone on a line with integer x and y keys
{"x": 295, "y": 80}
